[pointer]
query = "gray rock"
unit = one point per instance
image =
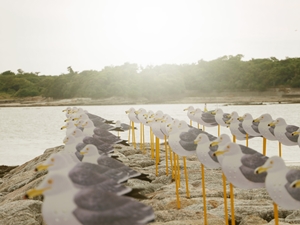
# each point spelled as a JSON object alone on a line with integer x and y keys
{"x": 22, "y": 212}
{"x": 293, "y": 218}
{"x": 252, "y": 220}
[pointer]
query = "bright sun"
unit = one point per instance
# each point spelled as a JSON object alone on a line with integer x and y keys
{"x": 146, "y": 33}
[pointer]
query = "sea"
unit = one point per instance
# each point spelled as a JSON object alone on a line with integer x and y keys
{"x": 26, "y": 132}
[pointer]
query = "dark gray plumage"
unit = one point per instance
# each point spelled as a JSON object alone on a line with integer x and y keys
{"x": 96, "y": 207}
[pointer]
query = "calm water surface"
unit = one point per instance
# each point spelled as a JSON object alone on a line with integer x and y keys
{"x": 26, "y": 132}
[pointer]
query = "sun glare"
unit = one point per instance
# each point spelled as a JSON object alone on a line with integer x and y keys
{"x": 147, "y": 33}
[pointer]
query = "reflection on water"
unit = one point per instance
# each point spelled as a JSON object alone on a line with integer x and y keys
{"x": 27, "y": 132}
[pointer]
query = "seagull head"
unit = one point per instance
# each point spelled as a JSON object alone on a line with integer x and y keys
{"x": 273, "y": 164}
{"x": 230, "y": 149}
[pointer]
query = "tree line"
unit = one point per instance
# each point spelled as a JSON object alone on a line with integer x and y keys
{"x": 227, "y": 73}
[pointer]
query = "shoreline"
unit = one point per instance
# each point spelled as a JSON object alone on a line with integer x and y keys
{"x": 226, "y": 100}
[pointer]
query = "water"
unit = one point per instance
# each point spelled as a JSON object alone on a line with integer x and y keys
{"x": 27, "y": 132}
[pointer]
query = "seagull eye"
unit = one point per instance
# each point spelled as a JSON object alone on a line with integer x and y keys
{"x": 52, "y": 160}
{"x": 50, "y": 181}
{"x": 87, "y": 149}
{"x": 271, "y": 162}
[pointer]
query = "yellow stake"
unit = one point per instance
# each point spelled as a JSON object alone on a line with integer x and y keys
{"x": 157, "y": 154}
{"x": 219, "y": 129}
{"x": 225, "y": 199}
{"x": 166, "y": 149}
{"x": 276, "y": 213}
{"x": 264, "y": 146}
{"x": 176, "y": 182}
{"x": 204, "y": 195}
{"x": 232, "y": 204}
{"x": 191, "y": 122}
{"x": 247, "y": 140}
{"x": 152, "y": 143}
{"x": 178, "y": 170}
{"x": 186, "y": 178}
{"x": 233, "y": 138}
{"x": 279, "y": 148}
{"x": 171, "y": 161}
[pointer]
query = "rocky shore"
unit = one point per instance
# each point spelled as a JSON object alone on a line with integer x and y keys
{"x": 275, "y": 96}
{"x": 251, "y": 206}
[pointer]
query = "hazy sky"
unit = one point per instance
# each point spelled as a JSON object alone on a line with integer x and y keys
{"x": 47, "y": 36}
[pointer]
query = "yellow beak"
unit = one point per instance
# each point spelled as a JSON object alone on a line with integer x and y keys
{"x": 220, "y": 152}
{"x": 42, "y": 167}
{"x": 256, "y": 120}
{"x": 35, "y": 192}
{"x": 261, "y": 170}
{"x": 272, "y": 124}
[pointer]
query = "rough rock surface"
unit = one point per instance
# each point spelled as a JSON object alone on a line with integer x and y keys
{"x": 250, "y": 206}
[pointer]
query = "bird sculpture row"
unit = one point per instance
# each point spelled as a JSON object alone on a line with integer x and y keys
{"x": 85, "y": 184}
{"x": 242, "y": 166}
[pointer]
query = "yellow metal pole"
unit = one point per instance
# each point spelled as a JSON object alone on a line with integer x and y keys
{"x": 279, "y": 148}
{"x": 171, "y": 161}
{"x": 166, "y": 151}
{"x": 176, "y": 182}
{"x": 152, "y": 143}
{"x": 264, "y": 146}
{"x": 247, "y": 140}
{"x": 232, "y": 204}
{"x": 186, "y": 178}
{"x": 225, "y": 199}
{"x": 157, "y": 154}
{"x": 178, "y": 170}
{"x": 276, "y": 213}
{"x": 204, "y": 195}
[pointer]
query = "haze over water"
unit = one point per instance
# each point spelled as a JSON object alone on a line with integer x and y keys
{"x": 26, "y": 132}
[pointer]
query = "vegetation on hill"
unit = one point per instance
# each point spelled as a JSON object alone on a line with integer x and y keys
{"x": 227, "y": 73}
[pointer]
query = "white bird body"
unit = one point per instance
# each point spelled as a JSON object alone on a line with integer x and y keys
{"x": 265, "y": 130}
{"x": 132, "y": 115}
{"x": 174, "y": 140}
{"x": 277, "y": 183}
{"x": 203, "y": 150}
{"x": 58, "y": 204}
{"x": 249, "y": 126}
{"x": 189, "y": 110}
{"x": 283, "y": 132}
{"x": 219, "y": 117}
